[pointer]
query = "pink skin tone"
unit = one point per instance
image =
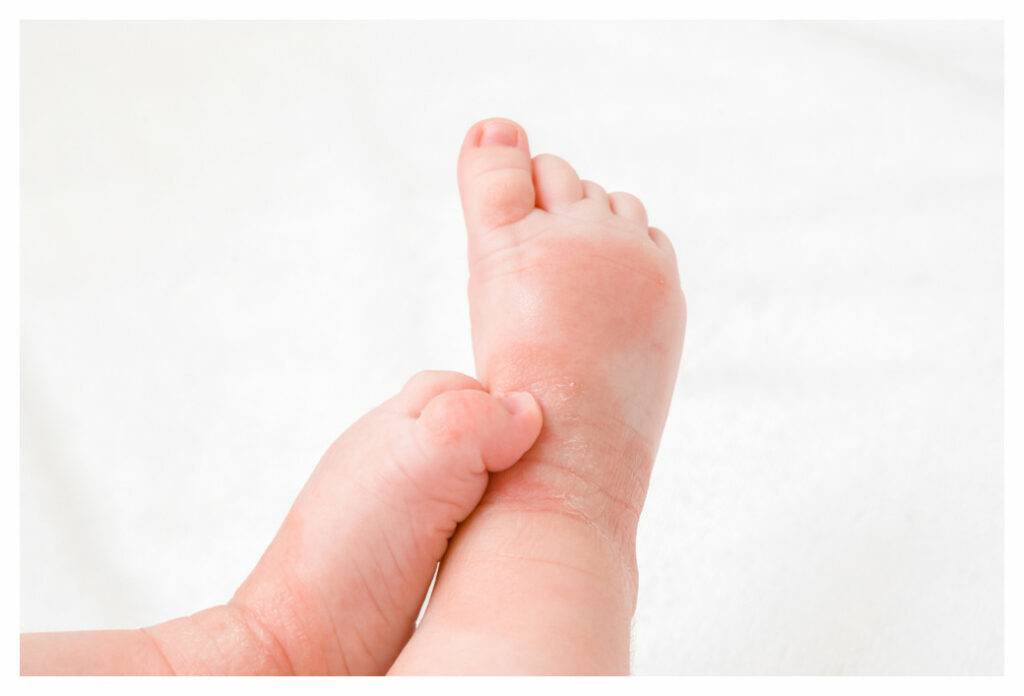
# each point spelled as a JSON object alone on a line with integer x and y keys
{"x": 339, "y": 588}
{"x": 573, "y": 299}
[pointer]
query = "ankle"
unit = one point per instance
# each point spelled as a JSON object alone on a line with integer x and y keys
{"x": 598, "y": 479}
{"x": 534, "y": 536}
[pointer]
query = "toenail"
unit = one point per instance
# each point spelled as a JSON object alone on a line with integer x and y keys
{"x": 499, "y": 133}
{"x": 516, "y": 402}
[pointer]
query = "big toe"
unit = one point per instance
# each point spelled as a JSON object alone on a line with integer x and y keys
{"x": 472, "y": 431}
{"x": 495, "y": 179}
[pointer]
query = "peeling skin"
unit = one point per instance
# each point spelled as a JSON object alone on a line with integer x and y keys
{"x": 579, "y": 329}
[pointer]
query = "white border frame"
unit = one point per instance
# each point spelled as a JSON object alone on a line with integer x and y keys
{"x": 1008, "y": 12}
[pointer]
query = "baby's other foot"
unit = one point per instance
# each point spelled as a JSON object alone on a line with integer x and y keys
{"x": 339, "y": 589}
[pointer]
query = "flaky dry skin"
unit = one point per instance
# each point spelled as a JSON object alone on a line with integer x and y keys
{"x": 574, "y": 298}
{"x": 338, "y": 590}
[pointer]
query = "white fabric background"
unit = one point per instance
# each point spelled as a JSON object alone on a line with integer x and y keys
{"x": 238, "y": 238}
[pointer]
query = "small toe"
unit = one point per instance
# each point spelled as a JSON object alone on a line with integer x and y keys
{"x": 498, "y": 429}
{"x": 495, "y": 175}
{"x": 661, "y": 240}
{"x": 595, "y": 192}
{"x": 556, "y": 183}
{"x": 628, "y": 206}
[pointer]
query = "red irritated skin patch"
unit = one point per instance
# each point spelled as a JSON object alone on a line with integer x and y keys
{"x": 586, "y": 317}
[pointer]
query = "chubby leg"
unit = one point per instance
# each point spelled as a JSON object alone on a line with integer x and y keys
{"x": 339, "y": 588}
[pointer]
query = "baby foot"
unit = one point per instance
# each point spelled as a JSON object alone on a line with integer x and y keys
{"x": 576, "y": 299}
{"x": 339, "y": 589}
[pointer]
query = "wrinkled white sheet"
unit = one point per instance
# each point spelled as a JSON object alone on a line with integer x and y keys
{"x": 238, "y": 238}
